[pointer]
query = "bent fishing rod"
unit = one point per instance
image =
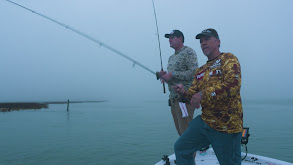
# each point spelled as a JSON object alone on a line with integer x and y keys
{"x": 159, "y": 44}
{"x": 88, "y": 37}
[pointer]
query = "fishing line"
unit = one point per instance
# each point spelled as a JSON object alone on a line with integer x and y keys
{"x": 88, "y": 37}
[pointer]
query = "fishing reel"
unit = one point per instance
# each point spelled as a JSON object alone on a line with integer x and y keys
{"x": 158, "y": 75}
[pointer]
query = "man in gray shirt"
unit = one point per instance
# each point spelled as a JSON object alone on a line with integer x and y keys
{"x": 181, "y": 68}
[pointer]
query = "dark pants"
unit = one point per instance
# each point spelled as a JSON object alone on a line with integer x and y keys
{"x": 198, "y": 135}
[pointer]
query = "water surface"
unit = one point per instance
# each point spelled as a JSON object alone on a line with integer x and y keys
{"x": 110, "y": 133}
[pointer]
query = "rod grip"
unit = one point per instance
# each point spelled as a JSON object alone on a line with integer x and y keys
{"x": 163, "y": 83}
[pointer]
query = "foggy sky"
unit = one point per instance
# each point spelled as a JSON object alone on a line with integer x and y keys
{"x": 42, "y": 61}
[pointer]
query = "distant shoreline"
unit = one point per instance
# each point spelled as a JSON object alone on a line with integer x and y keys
{"x": 12, "y": 106}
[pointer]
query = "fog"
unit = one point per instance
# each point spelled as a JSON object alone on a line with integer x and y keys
{"x": 43, "y": 61}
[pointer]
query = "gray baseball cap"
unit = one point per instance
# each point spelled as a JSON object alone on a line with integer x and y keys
{"x": 208, "y": 32}
{"x": 176, "y": 33}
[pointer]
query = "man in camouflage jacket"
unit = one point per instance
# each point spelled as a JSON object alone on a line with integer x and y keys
{"x": 216, "y": 88}
{"x": 181, "y": 67}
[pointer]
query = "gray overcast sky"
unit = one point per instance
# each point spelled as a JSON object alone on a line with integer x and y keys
{"x": 42, "y": 61}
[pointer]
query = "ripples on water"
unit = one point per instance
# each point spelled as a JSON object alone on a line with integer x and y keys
{"x": 113, "y": 133}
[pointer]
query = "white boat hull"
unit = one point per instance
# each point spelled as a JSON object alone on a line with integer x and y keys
{"x": 208, "y": 157}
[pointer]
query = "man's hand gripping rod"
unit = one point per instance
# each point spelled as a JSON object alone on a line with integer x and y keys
{"x": 184, "y": 99}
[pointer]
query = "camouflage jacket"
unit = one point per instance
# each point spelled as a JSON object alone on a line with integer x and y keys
{"x": 220, "y": 82}
{"x": 183, "y": 65}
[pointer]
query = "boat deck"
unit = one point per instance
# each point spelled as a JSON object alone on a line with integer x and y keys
{"x": 208, "y": 157}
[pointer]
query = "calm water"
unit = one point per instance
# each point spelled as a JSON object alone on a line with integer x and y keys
{"x": 114, "y": 133}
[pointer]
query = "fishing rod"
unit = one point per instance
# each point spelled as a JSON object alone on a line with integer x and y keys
{"x": 159, "y": 44}
{"x": 88, "y": 37}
